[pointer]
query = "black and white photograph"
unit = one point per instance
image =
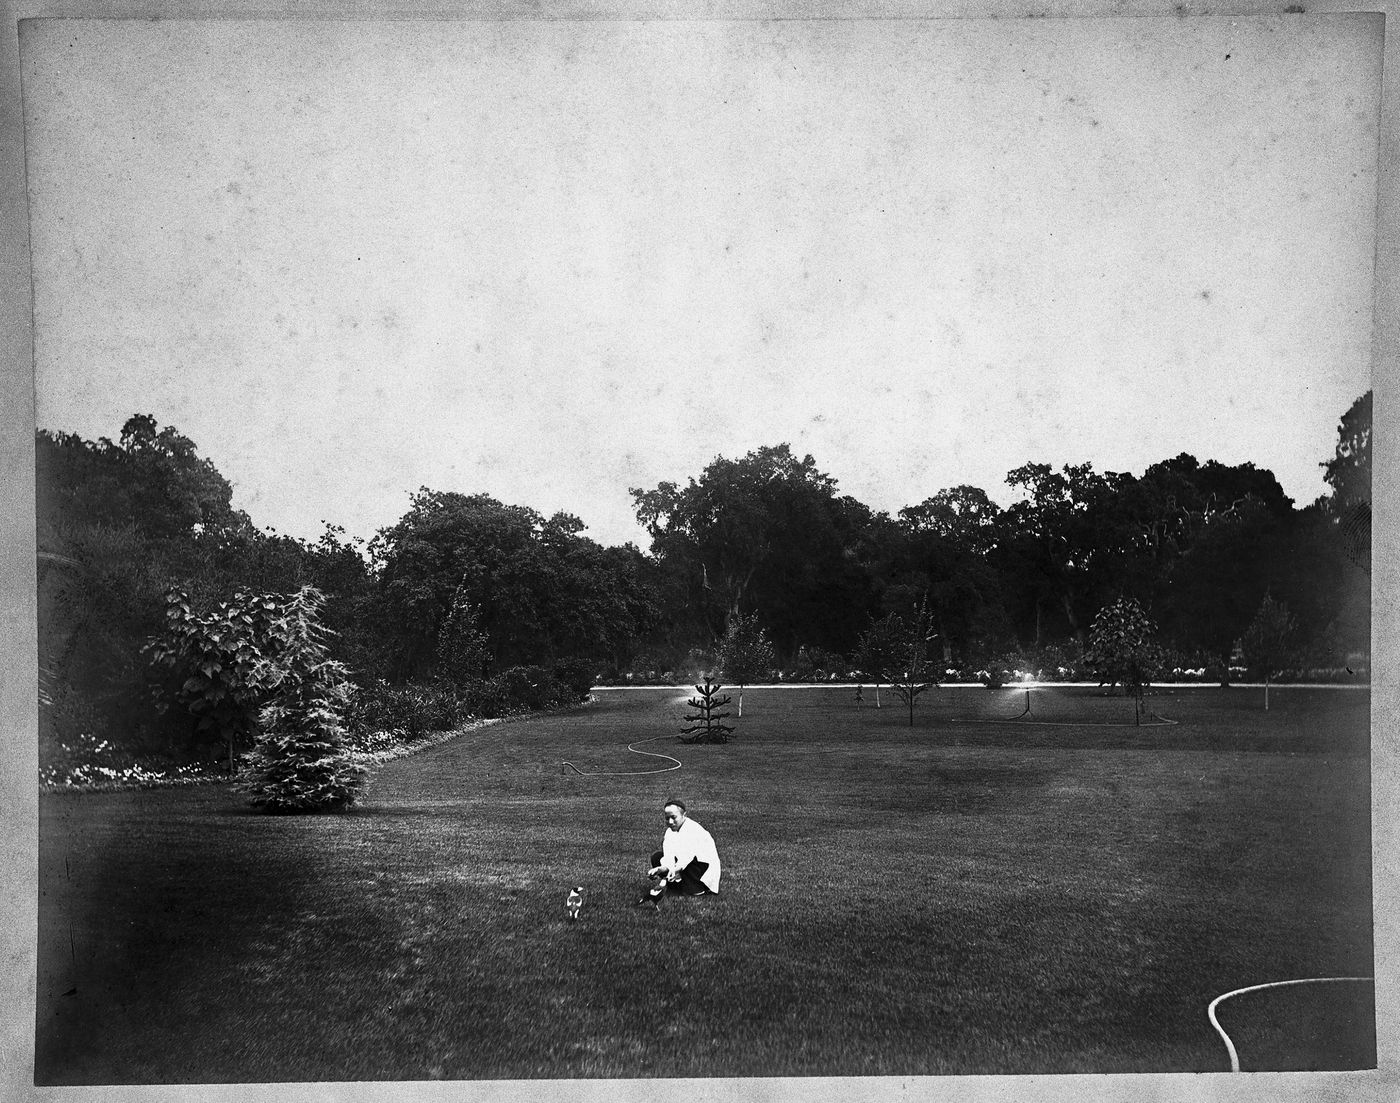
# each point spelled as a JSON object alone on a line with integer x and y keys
{"x": 802, "y": 551}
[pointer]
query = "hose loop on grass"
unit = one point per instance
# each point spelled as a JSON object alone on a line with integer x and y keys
{"x": 632, "y": 773}
{"x": 1229, "y": 1045}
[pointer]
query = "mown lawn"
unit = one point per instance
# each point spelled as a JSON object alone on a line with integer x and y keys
{"x": 953, "y": 898}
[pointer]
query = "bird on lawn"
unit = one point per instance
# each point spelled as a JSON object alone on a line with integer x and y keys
{"x": 574, "y": 902}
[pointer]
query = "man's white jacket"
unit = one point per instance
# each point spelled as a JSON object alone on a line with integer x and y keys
{"x": 679, "y": 848}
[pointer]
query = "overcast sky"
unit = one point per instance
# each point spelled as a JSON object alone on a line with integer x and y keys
{"x": 551, "y": 260}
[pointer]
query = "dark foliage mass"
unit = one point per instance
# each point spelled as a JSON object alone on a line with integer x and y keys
{"x": 471, "y": 607}
{"x": 538, "y": 591}
{"x": 121, "y": 525}
{"x": 1348, "y": 472}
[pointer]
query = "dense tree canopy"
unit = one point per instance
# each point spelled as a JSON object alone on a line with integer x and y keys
{"x": 1214, "y": 588}
{"x": 764, "y": 546}
{"x": 152, "y": 480}
{"x": 1348, "y": 472}
{"x": 766, "y": 531}
{"x": 947, "y": 542}
{"x": 118, "y": 525}
{"x": 539, "y": 590}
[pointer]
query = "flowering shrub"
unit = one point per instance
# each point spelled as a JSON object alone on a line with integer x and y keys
{"x": 87, "y": 762}
{"x": 382, "y": 722}
{"x": 367, "y": 742}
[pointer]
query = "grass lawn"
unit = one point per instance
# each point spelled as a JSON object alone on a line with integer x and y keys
{"x": 948, "y": 898}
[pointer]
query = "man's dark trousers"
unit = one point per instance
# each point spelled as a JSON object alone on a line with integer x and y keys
{"x": 689, "y": 883}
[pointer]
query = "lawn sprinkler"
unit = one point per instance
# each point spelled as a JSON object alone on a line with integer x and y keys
{"x": 1027, "y": 710}
{"x": 574, "y": 901}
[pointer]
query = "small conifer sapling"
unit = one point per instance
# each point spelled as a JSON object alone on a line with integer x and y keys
{"x": 704, "y": 721}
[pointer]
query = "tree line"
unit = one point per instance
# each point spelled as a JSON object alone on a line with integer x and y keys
{"x": 470, "y": 605}
{"x": 1199, "y": 544}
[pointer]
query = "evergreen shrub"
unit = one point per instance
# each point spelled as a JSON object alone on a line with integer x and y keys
{"x": 300, "y": 762}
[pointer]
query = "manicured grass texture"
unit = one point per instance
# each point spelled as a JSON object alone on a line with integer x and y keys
{"x": 948, "y": 898}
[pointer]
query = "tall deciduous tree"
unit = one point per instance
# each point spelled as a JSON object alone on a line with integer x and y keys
{"x": 538, "y": 588}
{"x": 945, "y": 551}
{"x": 1073, "y": 534}
{"x": 152, "y": 478}
{"x": 1348, "y": 473}
{"x": 1213, "y": 590}
{"x": 119, "y": 525}
{"x": 1078, "y": 537}
{"x": 962, "y": 515}
{"x": 765, "y": 532}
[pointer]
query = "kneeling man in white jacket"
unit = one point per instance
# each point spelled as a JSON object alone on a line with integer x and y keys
{"x": 687, "y": 862}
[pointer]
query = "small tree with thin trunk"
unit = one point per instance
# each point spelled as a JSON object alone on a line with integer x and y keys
{"x": 877, "y": 650}
{"x": 1121, "y": 649}
{"x": 910, "y": 672}
{"x": 744, "y": 653}
{"x": 895, "y": 650}
{"x": 705, "y": 726}
{"x": 1269, "y": 641}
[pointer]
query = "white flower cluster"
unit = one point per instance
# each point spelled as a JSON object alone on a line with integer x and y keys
{"x": 87, "y": 775}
